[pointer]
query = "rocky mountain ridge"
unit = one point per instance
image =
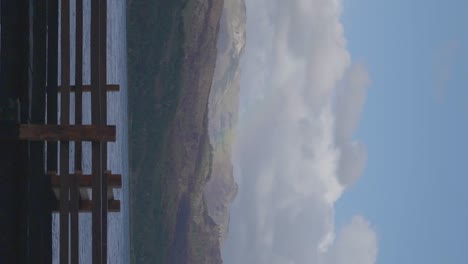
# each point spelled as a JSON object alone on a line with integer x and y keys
{"x": 223, "y": 105}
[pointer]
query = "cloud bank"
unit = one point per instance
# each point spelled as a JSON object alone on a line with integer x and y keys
{"x": 301, "y": 101}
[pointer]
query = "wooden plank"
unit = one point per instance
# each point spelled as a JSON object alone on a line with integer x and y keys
{"x": 110, "y": 193}
{"x": 113, "y": 205}
{"x": 64, "y": 120}
{"x": 87, "y": 205}
{"x": 74, "y": 219}
{"x": 78, "y": 87}
{"x": 39, "y": 196}
{"x": 79, "y": 80}
{"x": 84, "y": 195}
{"x": 85, "y": 180}
{"x": 97, "y": 147}
{"x": 14, "y": 83}
{"x": 52, "y": 72}
{"x": 74, "y": 190}
{"x": 103, "y": 98}
{"x": 67, "y": 133}
{"x": 87, "y": 88}
{"x": 52, "y": 82}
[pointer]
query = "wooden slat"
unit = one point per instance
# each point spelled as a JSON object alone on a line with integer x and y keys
{"x": 83, "y": 193}
{"x": 39, "y": 207}
{"x": 86, "y": 206}
{"x": 74, "y": 219}
{"x": 78, "y": 79}
{"x": 67, "y": 133}
{"x": 52, "y": 72}
{"x": 64, "y": 120}
{"x": 88, "y": 88}
{"x": 98, "y": 162}
{"x": 74, "y": 190}
{"x": 85, "y": 180}
{"x": 52, "y": 83}
{"x": 113, "y": 206}
{"x": 103, "y": 112}
{"x": 12, "y": 131}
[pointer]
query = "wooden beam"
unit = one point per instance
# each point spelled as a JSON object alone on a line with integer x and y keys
{"x": 12, "y": 131}
{"x": 83, "y": 193}
{"x": 86, "y": 206}
{"x": 39, "y": 197}
{"x": 64, "y": 120}
{"x": 74, "y": 218}
{"x": 66, "y": 133}
{"x": 74, "y": 190}
{"x": 52, "y": 78}
{"x": 78, "y": 80}
{"x": 88, "y": 88}
{"x": 103, "y": 112}
{"x": 98, "y": 111}
{"x": 85, "y": 180}
{"x": 113, "y": 206}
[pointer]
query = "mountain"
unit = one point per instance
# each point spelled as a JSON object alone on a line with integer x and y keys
{"x": 171, "y": 62}
{"x": 183, "y": 78}
{"x": 221, "y": 189}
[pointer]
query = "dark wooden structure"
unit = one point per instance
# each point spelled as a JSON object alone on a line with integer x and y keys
{"x": 29, "y": 121}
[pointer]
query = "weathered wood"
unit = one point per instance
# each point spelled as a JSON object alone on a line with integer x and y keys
{"x": 102, "y": 90}
{"x": 78, "y": 87}
{"x": 65, "y": 133}
{"x": 69, "y": 186}
{"x": 113, "y": 206}
{"x": 74, "y": 190}
{"x": 87, "y": 205}
{"x": 83, "y": 193}
{"x": 98, "y": 77}
{"x": 40, "y": 197}
{"x": 74, "y": 219}
{"x": 64, "y": 120}
{"x": 13, "y": 131}
{"x": 103, "y": 112}
{"x": 85, "y": 180}
{"x": 52, "y": 72}
{"x": 88, "y": 88}
{"x": 14, "y": 82}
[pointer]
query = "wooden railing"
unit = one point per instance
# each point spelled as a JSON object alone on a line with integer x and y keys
{"x": 72, "y": 189}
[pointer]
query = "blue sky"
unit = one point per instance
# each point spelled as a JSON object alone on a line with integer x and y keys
{"x": 414, "y": 127}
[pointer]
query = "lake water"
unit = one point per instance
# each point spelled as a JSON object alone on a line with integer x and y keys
{"x": 118, "y": 223}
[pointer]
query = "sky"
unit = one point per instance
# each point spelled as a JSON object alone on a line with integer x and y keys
{"x": 351, "y": 143}
{"x": 414, "y": 127}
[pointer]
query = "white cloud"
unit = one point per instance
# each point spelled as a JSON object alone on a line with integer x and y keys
{"x": 295, "y": 155}
{"x": 350, "y": 98}
{"x": 356, "y": 244}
